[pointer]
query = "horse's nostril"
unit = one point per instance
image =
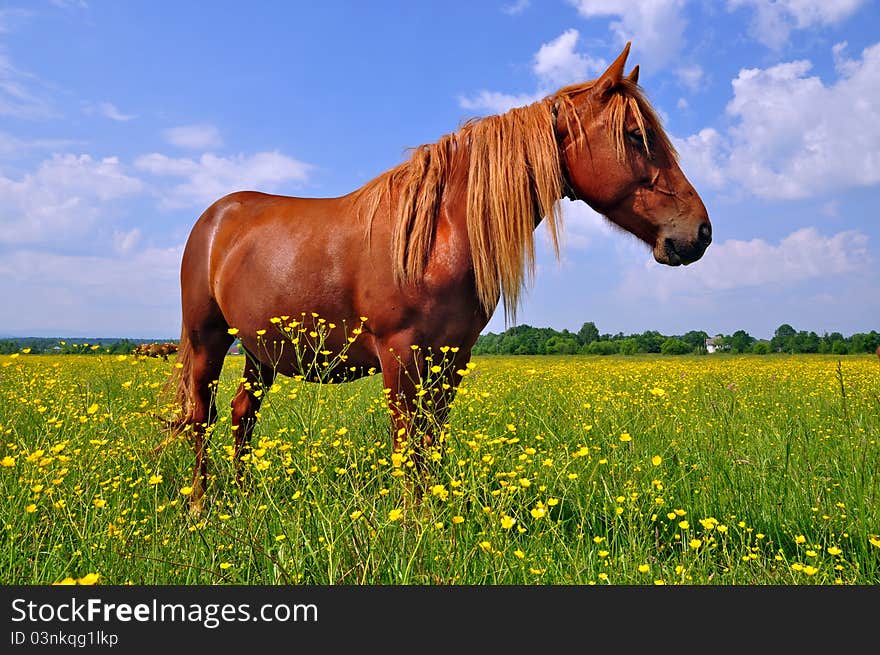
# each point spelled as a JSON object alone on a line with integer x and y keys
{"x": 704, "y": 234}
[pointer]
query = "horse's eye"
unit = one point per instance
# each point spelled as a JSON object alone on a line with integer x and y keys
{"x": 635, "y": 136}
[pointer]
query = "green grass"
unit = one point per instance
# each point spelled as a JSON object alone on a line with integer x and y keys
{"x": 556, "y": 470}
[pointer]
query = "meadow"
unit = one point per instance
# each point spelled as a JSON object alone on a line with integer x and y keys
{"x": 570, "y": 470}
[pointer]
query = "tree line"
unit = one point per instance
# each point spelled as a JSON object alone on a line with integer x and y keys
{"x": 528, "y": 340}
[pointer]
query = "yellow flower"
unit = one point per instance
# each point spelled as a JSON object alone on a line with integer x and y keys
{"x": 92, "y": 408}
{"x": 457, "y": 519}
{"x": 66, "y": 581}
{"x": 695, "y": 543}
{"x": 232, "y": 331}
{"x": 395, "y": 514}
{"x": 186, "y": 491}
{"x": 486, "y": 546}
{"x": 89, "y": 579}
{"x": 155, "y": 479}
{"x": 684, "y": 525}
{"x": 644, "y": 568}
{"x": 355, "y": 515}
{"x": 656, "y": 460}
{"x": 7, "y": 461}
{"x": 625, "y": 437}
{"x": 875, "y": 541}
{"x": 834, "y": 550}
{"x": 538, "y": 511}
{"x": 99, "y": 502}
{"x": 225, "y": 565}
{"x": 440, "y": 491}
{"x": 507, "y": 522}
{"x": 657, "y": 391}
{"x": 800, "y": 539}
{"x": 810, "y": 570}
{"x": 519, "y": 553}
{"x": 30, "y": 509}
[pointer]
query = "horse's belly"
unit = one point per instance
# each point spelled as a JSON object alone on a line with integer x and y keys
{"x": 315, "y": 358}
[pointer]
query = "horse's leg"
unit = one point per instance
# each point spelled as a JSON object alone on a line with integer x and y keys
{"x": 208, "y": 352}
{"x": 418, "y": 398}
{"x": 246, "y": 404}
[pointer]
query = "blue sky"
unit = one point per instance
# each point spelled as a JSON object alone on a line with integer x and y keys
{"x": 120, "y": 122}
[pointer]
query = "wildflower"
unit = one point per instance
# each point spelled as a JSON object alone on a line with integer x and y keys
{"x": 874, "y": 541}
{"x": 395, "y": 514}
{"x": 538, "y": 511}
{"x": 93, "y": 408}
{"x": 440, "y": 491}
{"x": 507, "y": 522}
{"x": 30, "y": 509}
{"x": 233, "y": 331}
{"x": 186, "y": 491}
{"x": 657, "y": 391}
{"x": 7, "y": 461}
{"x": 625, "y": 437}
{"x": 457, "y": 519}
{"x": 684, "y": 525}
{"x": 225, "y": 565}
{"x": 834, "y": 550}
{"x": 66, "y": 581}
{"x": 518, "y": 553}
{"x": 355, "y": 515}
{"x": 656, "y": 460}
{"x": 99, "y": 502}
{"x": 89, "y": 579}
{"x": 155, "y": 479}
{"x": 486, "y": 546}
{"x": 810, "y": 570}
{"x": 644, "y": 568}
{"x": 695, "y": 543}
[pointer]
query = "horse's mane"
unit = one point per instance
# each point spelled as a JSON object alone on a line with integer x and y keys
{"x": 515, "y": 178}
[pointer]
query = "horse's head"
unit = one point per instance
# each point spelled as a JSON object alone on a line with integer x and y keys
{"x": 617, "y": 158}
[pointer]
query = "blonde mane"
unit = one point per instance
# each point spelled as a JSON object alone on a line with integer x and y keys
{"x": 515, "y": 178}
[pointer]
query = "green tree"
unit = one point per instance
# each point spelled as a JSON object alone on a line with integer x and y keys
{"x": 588, "y": 333}
{"x": 761, "y": 347}
{"x": 675, "y": 346}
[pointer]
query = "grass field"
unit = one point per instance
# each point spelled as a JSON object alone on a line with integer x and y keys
{"x": 557, "y": 470}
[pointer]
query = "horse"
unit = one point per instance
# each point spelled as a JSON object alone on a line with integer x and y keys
{"x": 419, "y": 257}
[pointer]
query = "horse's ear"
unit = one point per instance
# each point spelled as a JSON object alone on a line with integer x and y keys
{"x": 634, "y": 75}
{"x": 611, "y": 78}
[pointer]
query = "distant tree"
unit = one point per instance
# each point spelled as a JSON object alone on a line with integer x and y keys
{"x": 561, "y": 346}
{"x": 838, "y": 347}
{"x": 761, "y": 347}
{"x": 675, "y": 346}
{"x": 696, "y": 339}
{"x": 741, "y": 341}
{"x": 603, "y": 348}
{"x": 588, "y": 333}
{"x": 781, "y": 341}
{"x": 628, "y": 346}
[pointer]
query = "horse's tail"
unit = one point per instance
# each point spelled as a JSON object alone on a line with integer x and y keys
{"x": 179, "y": 383}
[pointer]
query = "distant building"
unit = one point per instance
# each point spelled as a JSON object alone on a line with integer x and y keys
{"x": 712, "y": 344}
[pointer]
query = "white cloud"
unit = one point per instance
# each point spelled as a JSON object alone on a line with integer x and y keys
{"x": 109, "y": 110}
{"x": 582, "y": 226}
{"x": 773, "y": 22}
{"x": 803, "y": 255}
{"x": 656, "y": 27}
{"x": 494, "y": 102}
{"x": 210, "y": 177}
{"x": 701, "y": 157}
{"x": 20, "y": 95}
{"x": 516, "y": 7}
{"x": 793, "y": 135}
{"x": 194, "y": 137}
{"x": 99, "y": 295}
{"x": 62, "y": 199}
{"x": 556, "y": 63}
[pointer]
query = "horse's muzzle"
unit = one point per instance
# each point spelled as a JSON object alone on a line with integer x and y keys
{"x": 674, "y": 252}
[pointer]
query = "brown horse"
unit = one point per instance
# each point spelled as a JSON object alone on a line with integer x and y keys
{"x": 417, "y": 259}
